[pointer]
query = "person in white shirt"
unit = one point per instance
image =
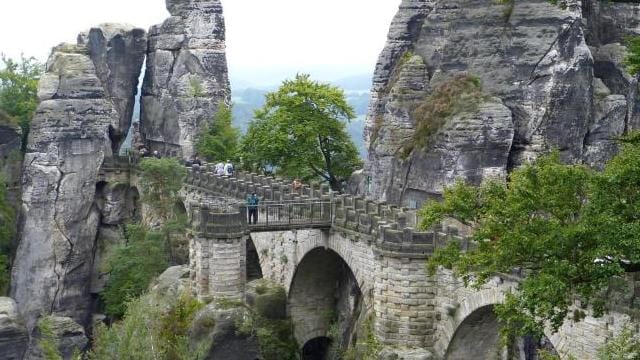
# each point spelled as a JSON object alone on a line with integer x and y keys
{"x": 228, "y": 168}
{"x": 219, "y": 169}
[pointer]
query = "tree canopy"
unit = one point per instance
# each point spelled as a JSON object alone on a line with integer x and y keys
{"x": 301, "y": 132}
{"x": 219, "y": 140}
{"x": 19, "y": 90}
{"x": 568, "y": 229}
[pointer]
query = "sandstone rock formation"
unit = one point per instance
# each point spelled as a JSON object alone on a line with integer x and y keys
{"x": 118, "y": 52}
{"x": 186, "y": 77}
{"x": 13, "y": 332}
{"x": 82, "y": 94}
{"x": 555, "y": 73}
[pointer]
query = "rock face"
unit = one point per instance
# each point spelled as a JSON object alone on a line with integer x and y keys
{"x": 186, "y": 77}
{"x": 13, "y": 332}
{"x": 81, "y": 95}
{"x": 555, "y": 78}
{"x": 118, "y": 52}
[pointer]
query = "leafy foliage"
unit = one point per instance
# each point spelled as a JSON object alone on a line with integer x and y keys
{"x": 132, "y": 267}
{"x": 18, "y": 90}
{"x": 569, "y": 230}
{"x": 161, "y": 181}
{"x": 219, "y": 141}
{"x": 632, "y": 60}
{"x": 7, "y": 234}
{"x": 624, "y": 346}
{"x": 462, "y": 93}
{"x": 150, "y": 330}
{"x": 301, "y": 132}
{"x": 48, "y": 343}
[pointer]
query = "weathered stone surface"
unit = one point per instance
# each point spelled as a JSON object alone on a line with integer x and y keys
{"x": 13, "y": 332}
{"x": 472, "y": 147}
{"x": 118, "y": 52}
{"x": 539, "y": 59}
{"x": 68, "y": 143}
{"x": 186, "y": 77}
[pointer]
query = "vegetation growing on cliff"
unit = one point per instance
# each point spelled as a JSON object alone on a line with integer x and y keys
{"x": 632, "y": 60}
{"x": 7, "y": 232}
{"x": 300, "y": 132}
{"x": 131, "y": 268}
{"x": 219, "y": 140}
{"x": 148, "y": 250}
{"x": 569, "y": 230}
{"x": 267, "y": 321}
{"x": 150, "y": 330}
{"x": 462, "y": 93}
{"x": 18, "y": 90}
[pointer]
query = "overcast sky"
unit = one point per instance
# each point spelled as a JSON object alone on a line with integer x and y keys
{"x": 260, "y": 33}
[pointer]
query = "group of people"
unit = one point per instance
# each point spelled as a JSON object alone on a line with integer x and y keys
{"x": 224, "y": 169}
{"x": 144, "y": 152}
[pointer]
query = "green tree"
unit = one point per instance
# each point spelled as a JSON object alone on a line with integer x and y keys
{"x": 632, "y": 60}
{"x": 301, "y": 132}
{"x": 18, "y": 90}
{"x": 569, "y": 229}
{"x": 219, "y": 141}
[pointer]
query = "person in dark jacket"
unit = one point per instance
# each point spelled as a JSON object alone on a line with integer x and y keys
{"x": 252, "y": 205}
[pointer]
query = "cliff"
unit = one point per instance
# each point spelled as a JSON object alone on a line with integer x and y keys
{"x": 549, "y": 77}
{"x": 83, "y": 102}
{"x": 186, "y": 77}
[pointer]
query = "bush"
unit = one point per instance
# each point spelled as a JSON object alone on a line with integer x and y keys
{"x": 149, "y": 330}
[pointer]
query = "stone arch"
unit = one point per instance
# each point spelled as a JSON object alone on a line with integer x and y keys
{"x": 343, "y": 247}
{"x": 471, "y": 328}
{"x": 322, "y": 282}
{"x": 316, "y": 348}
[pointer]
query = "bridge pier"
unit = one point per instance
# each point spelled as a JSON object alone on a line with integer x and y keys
{"x": 217, "y": 254}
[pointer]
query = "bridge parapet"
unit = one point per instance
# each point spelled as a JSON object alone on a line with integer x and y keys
{"x": 386, "y": 225}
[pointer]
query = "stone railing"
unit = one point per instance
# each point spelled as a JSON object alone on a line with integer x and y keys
{"x": 386, "y": 226}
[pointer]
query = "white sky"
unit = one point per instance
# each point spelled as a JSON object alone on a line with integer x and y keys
{"x": 260, "y": 33}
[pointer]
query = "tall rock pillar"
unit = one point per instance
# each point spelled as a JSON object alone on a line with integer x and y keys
{"x": 67, "y": 146}
{"x": 186, "y": 77}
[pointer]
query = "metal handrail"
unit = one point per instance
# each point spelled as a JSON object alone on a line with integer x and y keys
{"x": 287, "y": 214}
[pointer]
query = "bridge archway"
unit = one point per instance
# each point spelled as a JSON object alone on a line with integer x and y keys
{"x": 253, "y": 264}
{"x": 316, "y": 348}
{"x": 323, "y": 292}
{"x": 472, "y": 331}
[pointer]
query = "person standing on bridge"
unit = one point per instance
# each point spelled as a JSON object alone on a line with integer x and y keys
{"x": 252, "y": 205}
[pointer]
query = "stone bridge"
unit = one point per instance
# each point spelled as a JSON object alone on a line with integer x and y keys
{"x": 335, "y": 238}
{"x": 328, "y": 250}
